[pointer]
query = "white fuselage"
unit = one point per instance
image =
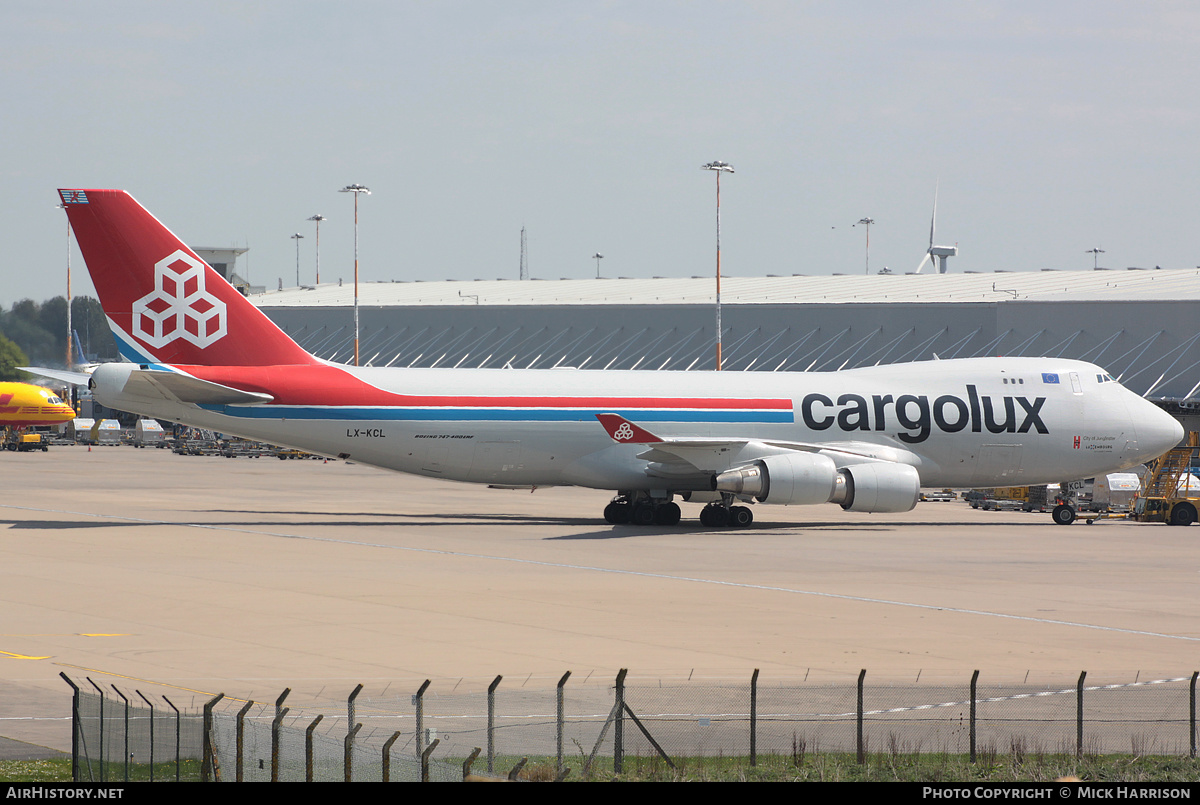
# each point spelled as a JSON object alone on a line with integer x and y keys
{"x": 975, "y": 422}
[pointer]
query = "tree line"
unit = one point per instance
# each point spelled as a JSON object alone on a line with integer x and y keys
{"x": 35, "y": 334}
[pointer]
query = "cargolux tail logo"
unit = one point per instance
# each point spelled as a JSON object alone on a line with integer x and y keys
{"x": 179, "y": 307}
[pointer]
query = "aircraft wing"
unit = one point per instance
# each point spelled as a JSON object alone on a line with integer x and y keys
{"x": 74, "y": 378}
{"x": 156, "y": 384}
{"x": 677, "y": 456}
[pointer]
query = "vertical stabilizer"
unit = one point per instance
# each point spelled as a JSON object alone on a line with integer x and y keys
{"x": 164, "y": 304}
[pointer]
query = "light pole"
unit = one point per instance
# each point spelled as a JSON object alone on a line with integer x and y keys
{"x": 318, "y": 219}
{"x": 297, "y": 237}
{"x": 867, "y": 223}
{"x": 718, "y": 167}
{"x": 355, "y": 189}
{"x": 1095, "y": 253}
{"x": 70, "y": 340}
{"x": 598, "y": 257}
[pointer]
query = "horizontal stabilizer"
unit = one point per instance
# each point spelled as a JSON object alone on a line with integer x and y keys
{"x": 187, "y": 389}
{"x": 62, "y": 375}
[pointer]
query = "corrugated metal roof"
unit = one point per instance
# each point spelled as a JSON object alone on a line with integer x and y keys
{"x": 1140, "y": 284}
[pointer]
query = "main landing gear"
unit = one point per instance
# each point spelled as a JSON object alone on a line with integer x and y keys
{"x": 720, "y": 515}
{"x": 639, "y": 508}
{"x": 634, "y": 509}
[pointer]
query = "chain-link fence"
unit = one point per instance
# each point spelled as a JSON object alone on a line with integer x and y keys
{"x": 588, "y": 728}
{"x": 115, "y": 738}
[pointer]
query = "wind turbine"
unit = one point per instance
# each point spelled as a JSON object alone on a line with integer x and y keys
{"x": 939, "y": 252}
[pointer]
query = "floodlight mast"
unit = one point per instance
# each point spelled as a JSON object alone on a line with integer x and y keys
{"x": 297, "y": 237}
{"x": 355, "y": 189}
{"x": 1095, "y": 253}
{"x": 718, "y": 167}
{"x": 597, "y": 257}
{"x": 867, "y": 223}
{"x": 318, "y": 218}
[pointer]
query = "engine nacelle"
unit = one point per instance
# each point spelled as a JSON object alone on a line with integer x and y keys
{"x": 797, "y": 478}
{"x": 878, "y": 487}
{"x": 809, "y": 478}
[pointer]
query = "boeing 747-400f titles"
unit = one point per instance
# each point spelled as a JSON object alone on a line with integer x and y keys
{"x": 866, "y": 439}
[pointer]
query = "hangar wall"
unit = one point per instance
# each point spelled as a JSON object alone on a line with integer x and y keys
{"x": 1153, "y": 346}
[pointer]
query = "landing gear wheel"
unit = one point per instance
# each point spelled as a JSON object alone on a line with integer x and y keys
{"x": 740, "y": 516}
{"x": 714, "y": 516}
{"x": 667, "y": 514}
{"x": 1183, "y": 514}
{"x": 617, "y": 513}
{"x": 643, "y": 514}
{"x": 1063, "y": 515}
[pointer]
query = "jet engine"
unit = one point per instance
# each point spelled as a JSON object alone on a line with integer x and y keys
{"x": 808, "y": 478}
{"x": 796, "y": 478}
{"x": 878, "y": 487}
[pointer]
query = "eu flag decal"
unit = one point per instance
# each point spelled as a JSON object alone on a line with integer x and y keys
{"x": 1049, "y": 377}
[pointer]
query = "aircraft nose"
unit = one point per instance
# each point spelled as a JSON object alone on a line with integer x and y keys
{"x": 1157, "y": 431}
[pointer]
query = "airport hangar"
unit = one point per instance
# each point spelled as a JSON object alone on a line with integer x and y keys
{"x": 1141, "y": 325}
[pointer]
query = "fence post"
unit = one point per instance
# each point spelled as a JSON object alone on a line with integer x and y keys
{"x": 100, "y": 762}
{"x": 754, "y": 718}
{"x": 125, "y": 749}
{"x": 491, "y": 723}
{"x": 974, "y": 683}
{"x": 76, "y": 726}
{"x": 308, "y": 748}
{"x": 1191, "y": 717}
{"x": 207, "y": 765}
{"x": 147, "y": 701}
{"x": 425, "y": 759}
{"x": 419, "y": 701}
{"x": 560, "y": 719}
{"x": 619, "y": 724}
{"x": 1079, "y": 715}
{"x": 280, "y": 710}
{"x": 347, "y": 757}
{"x": 178, "y": 727}
{"x": 861, "y": 749}
{"x": 387, "y": 757}
{"x": 276, "y": 724}
{"x": 350, "y": 719}
{"x": 279, "y": 701}
{"x": 241, "y": 737}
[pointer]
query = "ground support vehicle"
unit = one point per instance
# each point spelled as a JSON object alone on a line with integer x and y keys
{"x": 1165, "y": 495}
{"x": 242, "y": 448}
{"x": 940, "y": 496}
{"x": 24, "y": 441}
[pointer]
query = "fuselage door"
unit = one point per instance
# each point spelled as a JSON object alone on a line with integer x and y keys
{"x": 1076, "y": 386}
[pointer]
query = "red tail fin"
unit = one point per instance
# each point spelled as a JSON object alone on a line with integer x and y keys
{"x": 163, "y": 303}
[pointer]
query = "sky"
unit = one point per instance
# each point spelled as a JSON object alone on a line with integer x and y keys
{"x": 1045, "y": 129}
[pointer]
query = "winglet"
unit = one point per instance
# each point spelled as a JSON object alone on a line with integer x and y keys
{"x": 622, "y": 430}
